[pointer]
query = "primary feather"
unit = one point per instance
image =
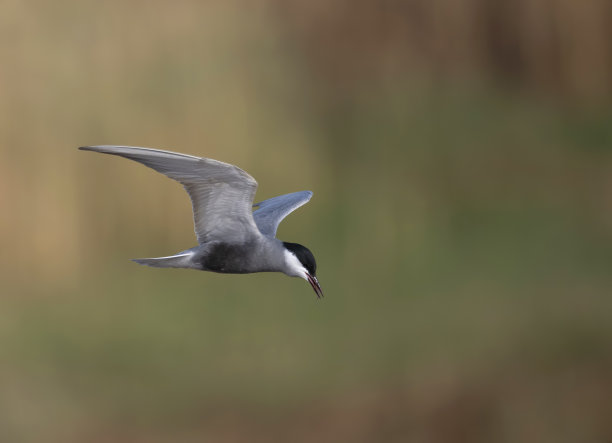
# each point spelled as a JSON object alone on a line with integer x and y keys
{"x": 272, "y": 211}
{"x": 221, "y": 194}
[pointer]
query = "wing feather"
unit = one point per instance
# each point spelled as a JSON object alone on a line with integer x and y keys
{"x": 272, "y": 211}
{"x": 221, "y": 194}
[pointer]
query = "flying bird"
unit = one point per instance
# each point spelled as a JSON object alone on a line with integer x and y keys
{"x": 232, "y": 238}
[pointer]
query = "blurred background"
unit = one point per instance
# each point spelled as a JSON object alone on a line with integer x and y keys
{"x": 460, "y": 155}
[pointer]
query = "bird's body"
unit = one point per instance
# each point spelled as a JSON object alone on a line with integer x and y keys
{"x": 232, "y": 238}
{"x": 226, "y": 257}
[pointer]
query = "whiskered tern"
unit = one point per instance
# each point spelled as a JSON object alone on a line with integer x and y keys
{"x": 232, "y": 238}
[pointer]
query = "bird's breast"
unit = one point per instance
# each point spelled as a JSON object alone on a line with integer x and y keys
{"x": 230, "y": 258}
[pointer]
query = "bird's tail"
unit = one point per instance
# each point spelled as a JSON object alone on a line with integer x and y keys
{"x": 180, "y": 260}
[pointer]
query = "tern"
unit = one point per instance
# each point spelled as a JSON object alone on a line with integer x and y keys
{"x": 232, "y": 238}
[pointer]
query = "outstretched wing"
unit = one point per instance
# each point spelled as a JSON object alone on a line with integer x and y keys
{"x": 221, "y": 194}
{"x": 272, "y": 211}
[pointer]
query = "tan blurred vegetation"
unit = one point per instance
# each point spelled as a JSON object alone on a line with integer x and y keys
{"x": 544, "y": 46}
{"x": 460, "y": 156}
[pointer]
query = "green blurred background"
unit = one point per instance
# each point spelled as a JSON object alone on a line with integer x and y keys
{"x": 460, "y": 155}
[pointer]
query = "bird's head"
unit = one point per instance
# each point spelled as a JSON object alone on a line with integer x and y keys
{"x": 301, "y": 263}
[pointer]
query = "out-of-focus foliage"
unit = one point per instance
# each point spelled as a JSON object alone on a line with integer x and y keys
{"x": 460, "y": 155}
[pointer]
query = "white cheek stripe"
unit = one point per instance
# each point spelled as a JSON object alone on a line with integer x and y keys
{"x": 294, "y": 265}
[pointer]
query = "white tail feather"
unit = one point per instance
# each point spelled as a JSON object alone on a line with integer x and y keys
{"x": 182, "y": 260}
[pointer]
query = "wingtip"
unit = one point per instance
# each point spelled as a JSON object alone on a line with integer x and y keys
{"x": 90, "y": 148}
{"x": 106, "y": 149}
{"x": 94, "y": 147}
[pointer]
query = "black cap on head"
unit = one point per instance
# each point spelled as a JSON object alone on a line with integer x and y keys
{"x": 304, "y": 256}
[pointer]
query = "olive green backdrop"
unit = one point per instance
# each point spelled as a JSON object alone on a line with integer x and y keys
{"x": 461, "y": 162}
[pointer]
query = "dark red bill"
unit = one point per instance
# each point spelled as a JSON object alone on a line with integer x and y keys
{"x": 315, "y": 285}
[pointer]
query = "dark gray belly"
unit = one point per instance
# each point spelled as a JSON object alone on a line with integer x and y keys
{"x": 229, "y": 258}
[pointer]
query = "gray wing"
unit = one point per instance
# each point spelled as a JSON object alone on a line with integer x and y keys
{"x": 272, "y": 211}
{"x": 221, "y": 194}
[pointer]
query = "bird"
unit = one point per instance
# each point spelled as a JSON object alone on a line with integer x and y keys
{"x": 232, "y": 237}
